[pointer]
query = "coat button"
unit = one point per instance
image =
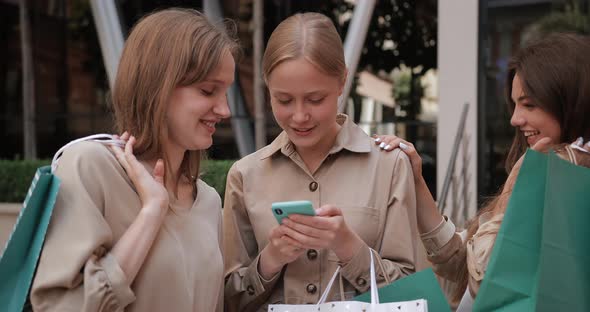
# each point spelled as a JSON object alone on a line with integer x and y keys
{"x": 361, "y": 281}
{"x": 312, "y": 254}
{"x": 311, "y": 288}
{"x": 313, "y": 186}
{"x": 250, "y": 290}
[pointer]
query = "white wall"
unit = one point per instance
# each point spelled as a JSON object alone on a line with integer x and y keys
{"x": 457, "y": 64}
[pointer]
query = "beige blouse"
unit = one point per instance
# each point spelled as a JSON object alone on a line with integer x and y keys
{"x": 375, "y": 191}
{"x": 447, "y": 249}
{"x": 95, "y": 205}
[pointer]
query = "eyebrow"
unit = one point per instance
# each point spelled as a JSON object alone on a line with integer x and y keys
{"x": 522, "y": 97}
{"x": 214, "y": 81}
{"x": 307, "y": 93}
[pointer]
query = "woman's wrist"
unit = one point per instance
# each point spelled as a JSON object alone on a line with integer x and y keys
{"x": 348, "y": 247}
{"x": 154, "y": 210}
{"x": 268, "y": 265}
{"x": 427, "y": 211}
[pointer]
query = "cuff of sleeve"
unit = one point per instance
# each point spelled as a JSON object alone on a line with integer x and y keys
{"x": 117, "y": 280}
{"x": 439, "y": 236}
{"x": 356, "y": 271}
{"x": 256, "y": 284}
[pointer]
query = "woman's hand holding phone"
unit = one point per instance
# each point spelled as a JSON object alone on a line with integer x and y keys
{"x": 326, "y": 230}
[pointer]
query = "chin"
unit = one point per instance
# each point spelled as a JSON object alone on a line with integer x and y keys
{"x": 304, "y": 143}
{"x": 202, "y": 144}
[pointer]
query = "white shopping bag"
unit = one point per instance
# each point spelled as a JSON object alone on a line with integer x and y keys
{"x": 419, "y": 305}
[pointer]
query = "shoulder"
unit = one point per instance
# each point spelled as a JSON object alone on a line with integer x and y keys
{"x": 395, "y": 157}
{"x": 87, "y": 157}
{"x": 208, "y": 193}
{"x": 252, "y": 161}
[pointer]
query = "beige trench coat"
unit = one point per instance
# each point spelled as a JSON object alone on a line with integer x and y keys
{"x": 374, "y": 189}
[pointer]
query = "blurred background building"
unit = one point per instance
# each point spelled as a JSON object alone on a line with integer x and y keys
{"x": 419, "y": 63}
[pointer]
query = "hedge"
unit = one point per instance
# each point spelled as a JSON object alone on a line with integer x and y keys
{"x": 16, "y": 176}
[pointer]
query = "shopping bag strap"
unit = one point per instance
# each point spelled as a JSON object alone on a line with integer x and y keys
{"x": 330, "y": 283}
{"x": 374, "y": 289}
{"x": 101, "y": 138}
{"x": 385, "y": 275}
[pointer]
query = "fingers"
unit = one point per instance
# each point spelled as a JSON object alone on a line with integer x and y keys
{"x": 302, "y": 239}
{"x": 159, "y": 171}
{"x": 391, "y": 142}
{"x": 121, "y": 139}
{"x": 297, "y": 246}
{"x": 130, "y": 157}
{"x": 128, "y": 160}
{"x": 386, "y": 142}
{"x": 284, "y": 243}
{"x": 328, "y": 211}
{"x": 120, "y": 155}
{"x": 302, "y": 228}
{"x": 129, "y": 146}
{"x": 580, "y": 146}
{"x": 409, "y": 149}
{"x": 543, "y": 145}
{"x": 317, "y": 222}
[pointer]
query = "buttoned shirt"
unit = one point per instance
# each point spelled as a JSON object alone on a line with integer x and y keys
{"x": 374, "y": 190}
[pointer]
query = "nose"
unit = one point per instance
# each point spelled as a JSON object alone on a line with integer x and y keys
{"x": 300, "y": 115}
{"x": 221, "y": 108}
{"x": 517, "y": 119}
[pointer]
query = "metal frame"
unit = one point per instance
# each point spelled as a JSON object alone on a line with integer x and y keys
{"x": 442, "y": 199}
{"x": 110, "y": 35}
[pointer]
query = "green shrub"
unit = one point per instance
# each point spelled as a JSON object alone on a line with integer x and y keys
{"x": 16, "y": 176}
{"x": 214, "y": 172}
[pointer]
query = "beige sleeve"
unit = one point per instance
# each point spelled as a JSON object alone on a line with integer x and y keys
{"x": 75, "y": 270}
{"x": 245, "y": 289}
{"x": 445, "y": 249}
{"x": 399, "y": 244}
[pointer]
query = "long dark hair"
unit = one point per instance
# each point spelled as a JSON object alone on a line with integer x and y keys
{"x": 555, "y": 73}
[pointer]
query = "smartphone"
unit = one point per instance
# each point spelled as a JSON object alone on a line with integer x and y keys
{"x": 283, "y": 209}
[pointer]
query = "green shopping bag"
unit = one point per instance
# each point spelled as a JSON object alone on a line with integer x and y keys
{"x": 564, "y": 271}
{"x": 539, "y": 261}
{"x": 19, "y": 260}
{"x": 420, "y": 285}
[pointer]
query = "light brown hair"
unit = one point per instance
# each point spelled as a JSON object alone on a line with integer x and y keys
{"x": 166, "y": 49}
{"x": 311, "y": 36}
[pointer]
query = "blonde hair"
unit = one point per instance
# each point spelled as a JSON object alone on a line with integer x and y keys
{"x": 166, "y": 49}
{"x": 308, "y": 35}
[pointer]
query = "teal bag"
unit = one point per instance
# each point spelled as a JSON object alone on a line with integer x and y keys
{"x": 19, "y": 260}
{"x": 540, "y": 260}
{"x": 420, "y": 285}
{"x": 21, "y": 254}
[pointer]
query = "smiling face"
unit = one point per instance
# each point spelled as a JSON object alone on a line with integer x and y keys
{"x": 533, "y": 122}
{"x": 194, "y": 110}
{"x": 304, "y": 101}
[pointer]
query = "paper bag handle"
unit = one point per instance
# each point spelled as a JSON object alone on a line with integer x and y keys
{"x": 374, "y": 289}
{"x": 101, "y": 138}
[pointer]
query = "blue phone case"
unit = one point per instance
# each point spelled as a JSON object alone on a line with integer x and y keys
{"x": 283, "y": 209}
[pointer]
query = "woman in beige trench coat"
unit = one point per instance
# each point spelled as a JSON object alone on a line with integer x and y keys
{"x": 364, "y": 199}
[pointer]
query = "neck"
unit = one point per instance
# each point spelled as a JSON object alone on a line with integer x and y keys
{"x": 175, "y": 155}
